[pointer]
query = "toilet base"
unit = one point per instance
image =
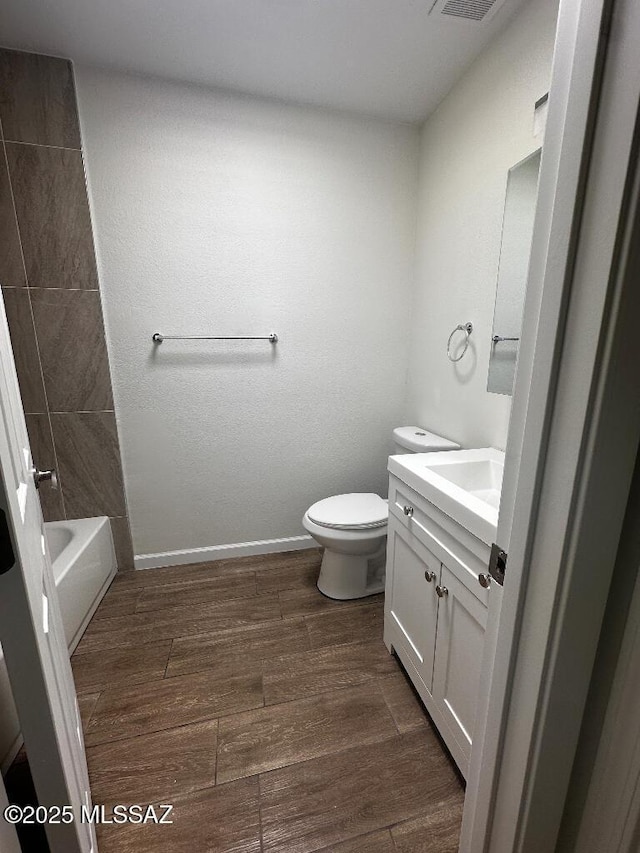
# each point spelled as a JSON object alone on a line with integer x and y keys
{"x": 347, "y": 576}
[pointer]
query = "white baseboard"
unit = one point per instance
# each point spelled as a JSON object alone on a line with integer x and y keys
{"x": 222, "y": 552}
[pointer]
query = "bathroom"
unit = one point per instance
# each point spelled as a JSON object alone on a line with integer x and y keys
{"x": 240, "y": 272}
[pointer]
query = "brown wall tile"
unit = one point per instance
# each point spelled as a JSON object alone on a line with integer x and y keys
{"x": 25, "y": 349}
{"x": 53, "y": 216}
{"x": 11, "y": 266}
{"x": 38, "y": 100}
{"x": 122, "y": 543}
{"x": 50, "y": 283}
{"x": 73, "y": 349}
{"x": 89, "y": 461}
{"x": 43, "y": 454}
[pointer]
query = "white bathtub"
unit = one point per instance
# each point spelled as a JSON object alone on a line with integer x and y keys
{"x": 84, "y": 564}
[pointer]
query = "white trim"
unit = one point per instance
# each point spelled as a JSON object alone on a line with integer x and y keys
{"x": 222, "y": 552}
{"x": 559, "y": 193}
{"x": 578, "y": 451}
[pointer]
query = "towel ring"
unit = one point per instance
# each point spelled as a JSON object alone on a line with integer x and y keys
{"x": 467, "y": 328}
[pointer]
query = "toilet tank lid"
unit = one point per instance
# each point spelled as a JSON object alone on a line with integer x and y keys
{"x": 421, "y": 440}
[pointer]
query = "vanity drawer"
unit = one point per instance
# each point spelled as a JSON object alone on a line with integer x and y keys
{"x": 463, "y": 552}
{"x": 407, "y": 505}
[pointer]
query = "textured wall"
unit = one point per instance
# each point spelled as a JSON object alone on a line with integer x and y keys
{"x": 223, "y": 214}
{"x": 480, "y": 130}
{"x": 51, "y": 292}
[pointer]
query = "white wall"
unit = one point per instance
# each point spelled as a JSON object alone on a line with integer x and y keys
{"x": 221, "y": 214}
{"x": 482, "y": 128}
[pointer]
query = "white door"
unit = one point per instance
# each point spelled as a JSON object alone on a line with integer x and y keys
{"x": 413, "y": 604}
{"x": 462, "y": 619}
{"x": 574, "y": 429}
{"x": 31, "y": 629}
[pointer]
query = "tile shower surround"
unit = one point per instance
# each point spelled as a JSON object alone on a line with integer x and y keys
{"x": 51, "y": 291}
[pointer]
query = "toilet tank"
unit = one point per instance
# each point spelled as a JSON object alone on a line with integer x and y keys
{"x": 413, "y": 439}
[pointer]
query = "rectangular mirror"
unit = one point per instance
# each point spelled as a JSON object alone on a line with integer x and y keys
{"x": 517, "y": 231}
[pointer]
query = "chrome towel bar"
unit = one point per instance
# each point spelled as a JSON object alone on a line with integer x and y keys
{"x": 158, "y": 338}
{"x": 497, "y": 339}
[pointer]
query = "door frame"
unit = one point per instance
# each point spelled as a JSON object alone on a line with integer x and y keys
{"x": 33, "y": 638}
{"x": 575, "y": 430}
{"x": 605, "y": 782}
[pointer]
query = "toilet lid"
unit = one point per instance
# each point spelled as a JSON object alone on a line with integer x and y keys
{"x": 358, "y": 511}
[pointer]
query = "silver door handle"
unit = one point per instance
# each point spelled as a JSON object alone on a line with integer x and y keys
{"x": 44, "y": 476}
{"x": 429, "y": 576}
{"x": 484, "y": 580}
{"x": 442, "y": 591}
{"x": 408, "y": 511}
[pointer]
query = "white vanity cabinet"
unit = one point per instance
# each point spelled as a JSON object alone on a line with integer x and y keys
{"x": 436, "y": 611}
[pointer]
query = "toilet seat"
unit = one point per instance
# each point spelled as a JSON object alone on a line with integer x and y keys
{"x": 355, "y": 511}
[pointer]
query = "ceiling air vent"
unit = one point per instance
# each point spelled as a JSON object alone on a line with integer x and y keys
{"x": 475, "y": 11}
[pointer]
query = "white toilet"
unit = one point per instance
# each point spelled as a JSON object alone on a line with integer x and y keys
{"x": 352, "y": 528}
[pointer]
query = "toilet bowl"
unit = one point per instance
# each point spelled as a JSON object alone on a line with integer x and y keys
{"x": 352, "y": 528}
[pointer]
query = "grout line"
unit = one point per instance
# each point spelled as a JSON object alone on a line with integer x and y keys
{"x": 167, "y": 728}
{"x": 64, "y": 289}
{"x": 159, "y": 731}
{"x": 138, "y": 642}
{"x": 35, "y": 334}
{"x": 15, "y": 209}
{"x": 388, "y": 706}
{"x": 310, "y": 641}
{"x": 89, "y": 718}
{"x": 166, "y": 666}
{"x": 332, "y": 754}
{"x": 90, "y": 412}
{"x": 314, "y": 696}
{"x": 260, "y": 827}
{"x": 33, "y": 288}
{"x": 42, "y": 145}
{"x": 164, "y": 608}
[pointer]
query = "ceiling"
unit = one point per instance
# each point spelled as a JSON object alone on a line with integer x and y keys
{"x": 388, "y": 58}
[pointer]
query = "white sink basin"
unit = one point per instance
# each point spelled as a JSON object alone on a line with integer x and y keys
{"x": 464, "y": 484}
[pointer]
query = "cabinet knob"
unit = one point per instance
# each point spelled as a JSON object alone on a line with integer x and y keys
{"x": 484, "y": 580}
{"x": 408, "y": 510}
{"x": 442, "y": 591}
{"x": 429, "y": 576}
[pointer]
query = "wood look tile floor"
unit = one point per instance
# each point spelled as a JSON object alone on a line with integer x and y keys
{"x": 271, "y": 717}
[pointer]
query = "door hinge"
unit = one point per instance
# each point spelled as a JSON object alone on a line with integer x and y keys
{"x": 7, "y": 557}
{"x": 497, "y": 564}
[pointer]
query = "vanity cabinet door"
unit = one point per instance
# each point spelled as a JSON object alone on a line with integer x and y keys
{"x": 462, "y": 619}
{"x": 411, "y": 600}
